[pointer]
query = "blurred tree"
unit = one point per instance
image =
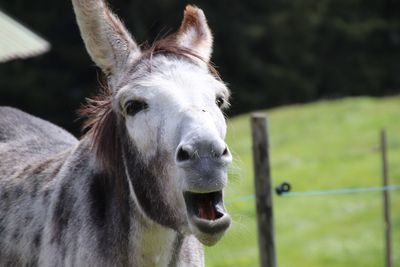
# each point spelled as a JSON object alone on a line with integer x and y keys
{"x": 270, "y": 52}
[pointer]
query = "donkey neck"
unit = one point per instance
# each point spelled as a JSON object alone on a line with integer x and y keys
{"x": 153, "y": 244}
{"x": 149, "y": 243}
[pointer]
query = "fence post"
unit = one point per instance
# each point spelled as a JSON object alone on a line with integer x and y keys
{"x": 263, "y": 190}
{"x": 386, "y": 201}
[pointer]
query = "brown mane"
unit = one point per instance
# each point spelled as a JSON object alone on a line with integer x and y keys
{"x": 169, "y": 45}
{"x": 101, "y": 127}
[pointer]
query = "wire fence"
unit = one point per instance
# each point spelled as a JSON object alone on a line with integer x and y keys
{"x": 341, "y": 191}
{"x": 282, "y": 192}
{"x": 264, "y": 192}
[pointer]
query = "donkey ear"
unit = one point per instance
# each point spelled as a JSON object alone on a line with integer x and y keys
{"x": 194, "y": 32}
{"x": 108, "y": 42}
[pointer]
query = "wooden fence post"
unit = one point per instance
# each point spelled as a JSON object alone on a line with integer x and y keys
{"x": 386, "y": 201}
{"x": 263, "y": 190}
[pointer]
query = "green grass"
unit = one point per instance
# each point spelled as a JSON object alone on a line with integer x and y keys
{"x": 318, "y": 146}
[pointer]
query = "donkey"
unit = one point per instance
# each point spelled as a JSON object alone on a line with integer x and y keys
{"x": 144, "y": 185}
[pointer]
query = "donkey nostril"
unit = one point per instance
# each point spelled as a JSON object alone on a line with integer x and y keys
{"x": 225, "y": 153}
{"x": 182, "y": 155}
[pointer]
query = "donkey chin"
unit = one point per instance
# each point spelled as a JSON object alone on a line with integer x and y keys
{"x": 203, "y": 194}
{"x": 208, "y": 219}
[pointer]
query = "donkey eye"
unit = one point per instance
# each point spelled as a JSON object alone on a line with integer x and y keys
{"x": 134, "y": 106}
{"x": 219, "y": 101}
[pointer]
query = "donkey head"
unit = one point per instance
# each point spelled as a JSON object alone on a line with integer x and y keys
{"x": 168, "y": 103}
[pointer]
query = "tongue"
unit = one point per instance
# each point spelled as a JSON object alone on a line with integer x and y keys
{"x": 206, "y": 210}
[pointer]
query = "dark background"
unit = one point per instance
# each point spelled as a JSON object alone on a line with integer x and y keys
{"x": 270, "y": 53}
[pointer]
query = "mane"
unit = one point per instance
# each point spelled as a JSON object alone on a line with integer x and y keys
{"x": 169, "y": 46}
{"x": 101, "y": 124}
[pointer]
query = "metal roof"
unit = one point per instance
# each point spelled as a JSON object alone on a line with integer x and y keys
{"x": 17, "y": 41}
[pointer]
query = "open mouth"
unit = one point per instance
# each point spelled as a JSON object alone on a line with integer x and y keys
{"x": 206, "y": 206}
{"x": 207, "y": 215}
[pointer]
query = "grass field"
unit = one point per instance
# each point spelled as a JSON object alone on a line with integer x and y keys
{"x": 318, "y": 146}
